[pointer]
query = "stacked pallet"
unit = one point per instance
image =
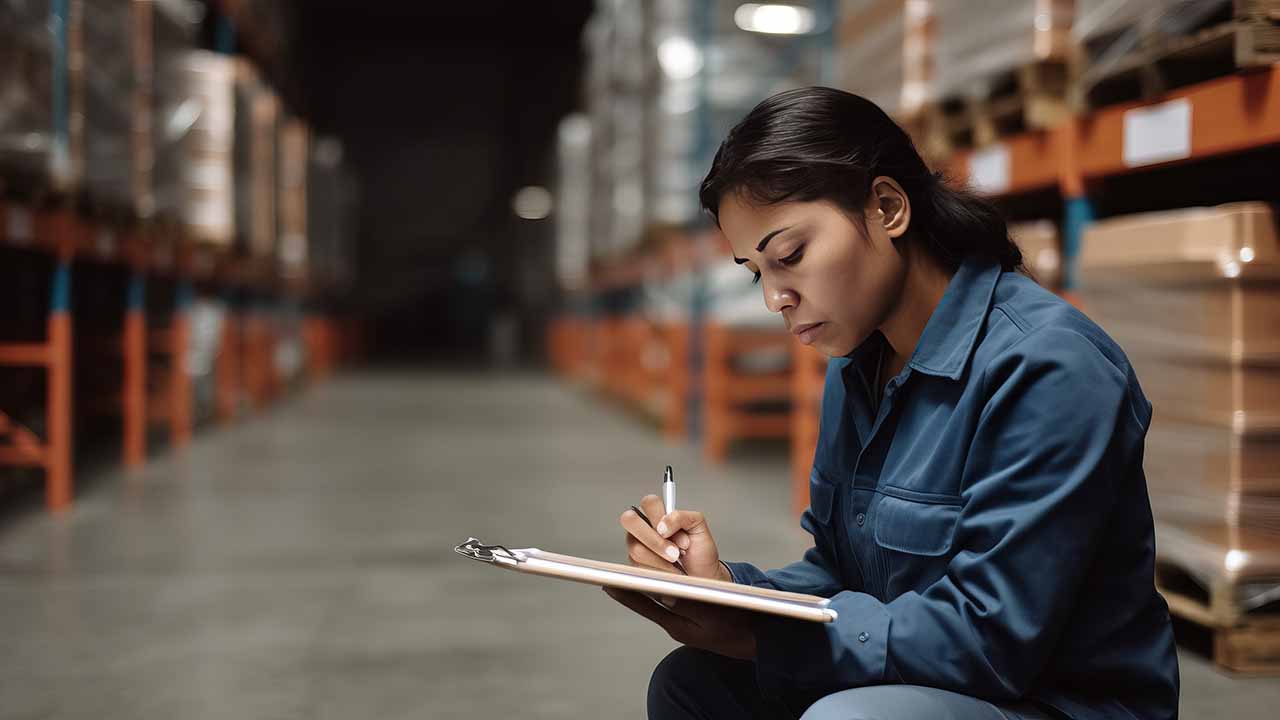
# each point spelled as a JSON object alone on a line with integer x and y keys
{"x": 1140, "y": 50}
{"x": 41, "y": 106}
{"x": 1193, "y": 297}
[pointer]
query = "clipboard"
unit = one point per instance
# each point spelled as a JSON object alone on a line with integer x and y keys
{"x": 626, "y": 577}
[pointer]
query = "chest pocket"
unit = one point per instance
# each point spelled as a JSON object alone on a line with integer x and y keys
{"x": 822, "y": 495}
{"x": 916, "y": 523}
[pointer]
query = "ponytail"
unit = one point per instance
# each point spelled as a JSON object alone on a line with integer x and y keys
{"x": 957, "y": 224}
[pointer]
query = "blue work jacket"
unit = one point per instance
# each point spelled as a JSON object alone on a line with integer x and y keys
{"x": 987, "y": 528}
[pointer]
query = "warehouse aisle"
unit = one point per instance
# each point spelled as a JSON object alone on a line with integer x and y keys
{"x": 299, "y": 565}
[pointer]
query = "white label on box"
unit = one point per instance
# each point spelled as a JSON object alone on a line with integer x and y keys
{"x": 18, "y": 225}
{"x": 989, "y": 169}
{"x": 1158, "y": 133}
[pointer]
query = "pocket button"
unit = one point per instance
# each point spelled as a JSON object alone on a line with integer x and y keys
{"x": 863, "y": 637}
{"x": 862, "y": 518}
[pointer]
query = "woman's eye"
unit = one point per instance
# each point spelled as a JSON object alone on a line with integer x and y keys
{"x": 793, "y": 258}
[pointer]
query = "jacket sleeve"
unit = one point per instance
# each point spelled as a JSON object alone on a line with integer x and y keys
{"x": 814, "y": 574}
{"x": 1037, "y": 487}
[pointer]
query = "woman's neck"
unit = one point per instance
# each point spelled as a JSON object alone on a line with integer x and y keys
{"x": 922, "y": 289}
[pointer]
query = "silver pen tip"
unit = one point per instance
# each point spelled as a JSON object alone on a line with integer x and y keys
{"x": 666, "y": 476}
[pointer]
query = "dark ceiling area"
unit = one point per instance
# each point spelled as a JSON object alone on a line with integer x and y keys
{"x": 444, "y": 110}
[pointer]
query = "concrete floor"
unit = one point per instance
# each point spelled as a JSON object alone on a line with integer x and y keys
{"x": 299, "y": 565}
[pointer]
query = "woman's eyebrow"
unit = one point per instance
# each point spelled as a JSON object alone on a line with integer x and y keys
{"x": 763, "y": 243}
{"x": 765, "y": 240}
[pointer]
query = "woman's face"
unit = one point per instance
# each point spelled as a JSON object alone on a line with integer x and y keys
{"x": 833, "y": 282}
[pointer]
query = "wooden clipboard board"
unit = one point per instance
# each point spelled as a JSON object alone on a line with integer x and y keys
{"x": 593, "y": 572}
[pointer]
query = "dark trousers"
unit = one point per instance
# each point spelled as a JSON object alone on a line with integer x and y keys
{"x": 691, "y": 683}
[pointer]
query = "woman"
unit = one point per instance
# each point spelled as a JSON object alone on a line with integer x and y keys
{"x": 978, "y": 507}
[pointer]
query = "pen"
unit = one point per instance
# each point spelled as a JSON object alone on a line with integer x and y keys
{"x": 669, "y": 491}
{"x": 668, "y": 497}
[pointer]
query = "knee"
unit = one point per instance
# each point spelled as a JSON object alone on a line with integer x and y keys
{"x": 902, "y": 702}
{"x": 677, "y": 681}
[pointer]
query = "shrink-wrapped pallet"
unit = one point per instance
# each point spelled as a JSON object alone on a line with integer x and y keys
{"x": 293, "y": 153}
{"x": 870, "y": 40}
{"x": 41, "y": 95}
{"x": 130, "y": 49}
{"x": 257, "y": 115}
{"x": 195, "y": 170}
{"x": 1193, "y": 297}
{"x": 973, "y": 50}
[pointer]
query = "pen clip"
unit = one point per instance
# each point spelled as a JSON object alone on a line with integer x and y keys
{"x": 477, "y": 550}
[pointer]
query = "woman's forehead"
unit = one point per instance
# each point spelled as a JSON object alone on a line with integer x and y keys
{"x": 744, "y": 223}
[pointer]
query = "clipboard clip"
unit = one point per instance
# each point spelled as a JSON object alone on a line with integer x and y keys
{"x": 477, "y": 550}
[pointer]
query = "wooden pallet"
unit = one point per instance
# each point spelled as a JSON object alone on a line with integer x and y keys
{"x": 1160, "y": 63}
{"x": 1213, "y": 618}
{"x": 1036, "y": 96}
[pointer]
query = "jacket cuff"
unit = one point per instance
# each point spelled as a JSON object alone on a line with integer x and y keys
{"x": 747, "y": 574}
{"x": 850, "y": 652}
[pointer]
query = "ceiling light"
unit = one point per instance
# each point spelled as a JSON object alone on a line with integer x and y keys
{"x": 679, "y": 57}
{"x": 774, "y": 19}
{"x": 532, "y": 203}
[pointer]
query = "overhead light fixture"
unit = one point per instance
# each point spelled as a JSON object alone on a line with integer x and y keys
{"x": 774, "y": 19}
{"x": 679, "y": 57}
{"x": 532, "y": 202}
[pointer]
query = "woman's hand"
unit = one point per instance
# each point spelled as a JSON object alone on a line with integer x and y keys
{"x": 681, "y": 536}
{"x": 718, "y": 629}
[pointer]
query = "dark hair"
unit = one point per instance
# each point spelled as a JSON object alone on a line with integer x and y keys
{"x": 819, "y": 143}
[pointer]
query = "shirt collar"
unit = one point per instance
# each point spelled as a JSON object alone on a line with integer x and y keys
{"x": 949, "y": 337}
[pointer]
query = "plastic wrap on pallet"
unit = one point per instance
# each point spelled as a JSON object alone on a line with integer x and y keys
{"x": 1193, "y": 297}
{"x": 127, "y": 46}
{"x": 1098, "y": 18}
{"x": 195, "y": 182}
{"x": 41, "y": 94}
{"x": 1110, "y": 30}
{"x": 664, "y": 80}
{"x": 111, "y": 92}
{"x": 573, "y": 198}
{"x": 971, "y": 50}
{"x": 870, "y": 50}
{"x": 257, "y": 114}
{"x": 175, "y": 26}
{"x": 293, "y": 148}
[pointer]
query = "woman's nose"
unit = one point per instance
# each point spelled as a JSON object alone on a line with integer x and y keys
{"x": 778, "y": 299}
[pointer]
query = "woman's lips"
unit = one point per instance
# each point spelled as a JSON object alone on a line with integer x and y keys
{"x": 808, "y": 332}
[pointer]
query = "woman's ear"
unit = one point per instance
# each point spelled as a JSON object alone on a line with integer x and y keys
{"x": 891, "y": 206}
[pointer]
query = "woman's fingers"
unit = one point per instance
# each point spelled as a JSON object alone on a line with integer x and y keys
{"x": 690, "y": 521}
{"x": 652, "y": 506}
{"x": 642, "y": 556}
{"x": 640, "y": 530}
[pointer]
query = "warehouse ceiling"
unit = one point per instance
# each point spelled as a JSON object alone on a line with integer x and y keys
{"x": 445, "y": 109}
